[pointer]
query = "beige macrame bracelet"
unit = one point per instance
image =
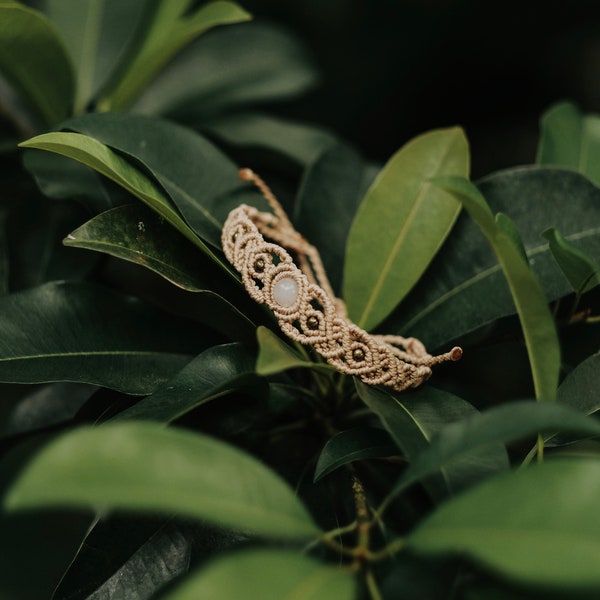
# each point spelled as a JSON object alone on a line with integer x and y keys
{"x": 305, "y": 305}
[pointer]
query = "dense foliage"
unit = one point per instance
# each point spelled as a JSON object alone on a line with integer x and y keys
{"x": 160, "y": 437}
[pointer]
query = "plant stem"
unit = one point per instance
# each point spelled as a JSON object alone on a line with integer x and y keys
{"x": 372, "y": 586}
{"x": 540, "y": 448}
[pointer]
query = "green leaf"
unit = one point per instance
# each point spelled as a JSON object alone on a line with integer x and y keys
{"x": 203, "y": 189}
{"x": 583, "y": 274}
{"x": 267, "y": 574}
{"x": 170, "y": 31}
{"x": 121, "y": 556}
{"x": 352, "y": 445}
{"x": 4, "y": 266}
{"x": 137, "y": 234}
{"x": 384, "y": 262}
{"x": 216, "y": 372}
{"x": 146, "y": 468}
{"x": 570, "y": 139}
{"x": 98, "y": 34}
{"x": 415, "y": 419}
{"x": 300, "y": 142}
{"x": 75, "y": 332}
{"x": 240, "y": 65}
{"x": 509, "y": 525}
{"x": 275, "y": 356}
{"x": 537, "y": 323}
{"x": 502, "y": 424}
{"x": 466, "y": 271}
{"x": 331, "y": 190}
{"x": 34, "y": 60}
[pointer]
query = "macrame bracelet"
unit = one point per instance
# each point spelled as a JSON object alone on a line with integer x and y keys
{"x": 304, "y": 304}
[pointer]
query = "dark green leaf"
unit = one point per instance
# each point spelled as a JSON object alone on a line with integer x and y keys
{"x": 198, "y": 177}
{"x": 61, "y": 177}
{"x": 88, "y": 334}
{"x": 502, "y": 424}
{"x": 537, "y": 322}
{"x": 583, "y": 274}
{"x": 401, "y": 224}
{"x": 145, "y": 467}
{"x": 269, "y": 575}
{"x": 34, "y": 59}
{"x": 415, "y": 419}
{"x": 351, "y": 445}
{"x": 466, "y": 273}
{"x": 301, "y": 142}
{"x": 171, "y": 29}
{"x": 231, "y": 66}
{"x": 275, "y": 356}
{"x": 125, "y": 557}
{"x": 98, "y": 34}
{"x": 537, "y": 525}
{"x": 509, "y": 229}
{"x": 332, "y": 188}
{"x": 4, "y": 268}
{"x": 216, "y": 372}
{"x": 570, "y": 139}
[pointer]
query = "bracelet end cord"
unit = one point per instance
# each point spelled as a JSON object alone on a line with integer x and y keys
{"x": 303, "y": 301}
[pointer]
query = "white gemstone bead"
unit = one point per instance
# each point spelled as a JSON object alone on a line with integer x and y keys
{"x": 285, "y": 292}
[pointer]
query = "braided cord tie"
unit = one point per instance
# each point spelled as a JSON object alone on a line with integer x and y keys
{"x": 304, "y": 304}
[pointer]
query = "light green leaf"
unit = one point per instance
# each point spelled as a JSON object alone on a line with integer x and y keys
{"x": 98, "y": 34}
{"x": 267, "y": 574}
{"x": 145, "y": 467}
{"x": 202, "y": 182}
{"x": 170, "y": 31}
{"x": 529, "y": 298}
{"x": 401, "y": 224}
{"x": 233, "y": 66}
{"x": 413, "y": 421}
{"x": 34, "y": 60}
{"x": 351, "y": 445}
{"x": 216, "y": 372}
{"x": 74, "y": 332}
{"x": 536, "y": 525}
{"x": 466, "y": 272}
{"x": 275, "y": 356}
{"x": 582, "y": 272}
{"x": 570, "y": 139}
{"x": 502, "y": 424}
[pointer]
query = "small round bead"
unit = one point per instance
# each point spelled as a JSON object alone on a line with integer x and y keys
{"x": 259, "y": 265}
{"x": 312, "y": 323}
{"x": 358, "y": 354}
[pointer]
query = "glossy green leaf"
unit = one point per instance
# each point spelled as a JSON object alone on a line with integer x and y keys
{"x": 536, "y": 525}
{"x": 121, "y": 556}
{"x": 502, "y": 424}
{"x": 276, "y": 356}
{"x": 300, "y": 142}
{"x": 583, "y": 274}
{"x": 509, "y": 229}
{"x": 232, "y": 66}
{"x": 172, "y": 28}
{"x": 267, "y": 574}
{"x": 413, "y": 421}
{"x": 401, "y": 224}
{"x": 351, "y": 445}
{"x": 137, "y": 234}
{"x": 99, "y": 157}
{"x": 200, "y": 180}
{"x": 466, "y": 272}
{"x": 98, "y": 34}
{"x": 34, "y": 59}
{"x": 537, "y": 323}
{"x": 570, "y": 139}
{"x": 331, "y": 190}
{"x": 147, "y": 468}
{"x": 75, "y": 332}
{"x": 216, "y": 372}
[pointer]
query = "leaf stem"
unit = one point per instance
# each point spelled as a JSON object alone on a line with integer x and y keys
{"x": 372, "y": 586}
